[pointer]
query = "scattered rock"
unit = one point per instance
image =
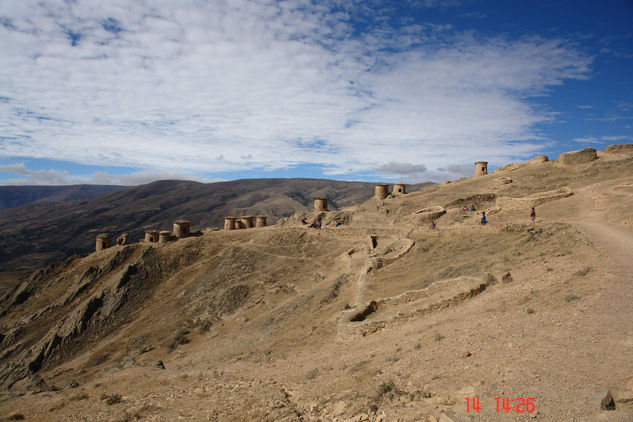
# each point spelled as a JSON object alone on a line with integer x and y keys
{"x": 507, "y": 278}
{"x": 601, "y": 399}
{"x": 491, "y": 279}
{"x": 503, "y": 180}
{"x": 449, "y": 416}
{"x": 622, "y": 396}
{"x": 71, "y": 384}
{"x": 159, "y": 364}
{"x": 34, "y": 383}
{"x": 128, "y": 361}
{"x": 466, "y": 354}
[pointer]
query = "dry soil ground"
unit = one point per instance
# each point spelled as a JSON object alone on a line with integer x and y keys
{"x": 558, "y": 331}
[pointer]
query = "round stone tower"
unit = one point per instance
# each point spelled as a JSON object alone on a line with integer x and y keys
{"x": 104, "y": 241}
{"x": 320, "y": 204}
{"x": 381, "y": 191}
{"x": 182, "y": 228}
{"x": 164, "y": 236}
{"x": 261, "y": 221}
{"x": 399, "y": 189}
{"x": 248, "y": 221}
{"x": 229, "y": 223}
{"x": 481, "y": 168}
{"x": 151, "y": 236}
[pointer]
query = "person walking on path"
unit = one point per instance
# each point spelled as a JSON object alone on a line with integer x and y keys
{"x": 483, "y": 218}
{"x": 532, "y": 215}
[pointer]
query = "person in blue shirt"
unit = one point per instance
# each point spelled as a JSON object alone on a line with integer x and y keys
{"x": 483, "y": 218}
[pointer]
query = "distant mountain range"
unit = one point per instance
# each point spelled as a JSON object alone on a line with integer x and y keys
{"x": 16, "y": 196}
{"x": 55, "y": 225}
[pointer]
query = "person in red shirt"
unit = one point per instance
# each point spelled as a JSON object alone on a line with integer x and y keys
{"x": 533, "y": 214}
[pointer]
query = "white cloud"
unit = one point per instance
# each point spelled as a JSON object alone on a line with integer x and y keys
{"x": 193, "y": 87}
{"x": 55, "y": 177}
{"x": 602, "y": 139}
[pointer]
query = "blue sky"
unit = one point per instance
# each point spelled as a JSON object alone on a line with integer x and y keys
{"x": 127, "y": 92}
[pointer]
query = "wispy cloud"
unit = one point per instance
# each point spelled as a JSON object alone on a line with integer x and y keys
{"x": 55, "y": 177}
{"x": 602, "y": 139}
{"x": 206, "y": 87}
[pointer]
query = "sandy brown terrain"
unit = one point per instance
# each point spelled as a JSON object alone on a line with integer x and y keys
{"x": 54, "y": 228}
{"x": 288, "y": 323}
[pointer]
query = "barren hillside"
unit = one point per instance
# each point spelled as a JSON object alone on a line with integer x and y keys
{"x": 47, "y": 231}
{"x": 378, "y": 319}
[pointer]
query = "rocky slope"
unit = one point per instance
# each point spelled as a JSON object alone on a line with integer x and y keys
{"x": 40, "y": 233}
{"x": 17, "y": 196}
{"x": 380, "y": 318}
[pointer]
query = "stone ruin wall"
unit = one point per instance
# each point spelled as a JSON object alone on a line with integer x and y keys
{"x": 320, "y": 204}
{"x": 261, "y": 221}
{"x": 525, "y": 203}
{"x": 248, "y": 221}
{"x": 381, "y": 191}
{"x": 578, "y": 157}
{"x": 429, "y": 214}
{"x": 481, "y": 168}
{"x": 619, "y": 149}
{"x": 538, "y": 159}
{"x": 151, "y": 236}
{"x": 229, "y": 223}
{"x": 182, "y": 228}
{"x": 164, "y": 236}
{"x": 103, "y": 241}
{"x": 399, "y": 189}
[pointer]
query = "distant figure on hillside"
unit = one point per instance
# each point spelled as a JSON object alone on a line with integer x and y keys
{"x": 464, "y": 209}
{"x": 318, "y": 224}
{"x": 483, "y": 218}
{"x": 338, "y": 223}
{"x": 304, "y": 220}
{"x": 472, "y": 207}
{"x": 532, "y": 214}
{"x": 432, "y": 225}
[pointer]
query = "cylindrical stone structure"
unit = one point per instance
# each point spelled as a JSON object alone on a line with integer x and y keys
{"x": 261, "y": 221}
{"x": 104, "y": 241}
{"x": 182, "y": 228}
{"x": 320, "y": 204}
{"x": 122, "y": 240}
{"x": 248, "y": 221}
{"x": 399, "y": 189}
{"x": 229, "y": 223}
{"x": 381, "y": 191}
{"x": 164, "y": 236}
{"x": 151, "y": 236}
{"x": 481, "y": 168}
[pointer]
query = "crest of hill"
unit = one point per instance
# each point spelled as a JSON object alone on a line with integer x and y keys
{"x": 40, "y": 233}
{"x": 17, "y": 196}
